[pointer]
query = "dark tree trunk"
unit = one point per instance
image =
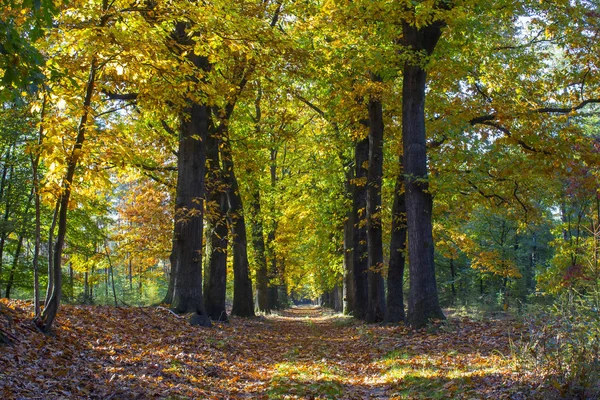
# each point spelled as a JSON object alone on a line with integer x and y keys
{"x": 185, "y": 287}
{"x": 215, "y": 271}
{"x": 243, "y": 299}
{"x": 376, "y": 295}
{"x": 453, "y": 275}
{"x": 394, "y": 311}
{"x": 361, "y": 261}
{"x": 258, "y": 243}
{"x": 348, "y": 286}
{"x": 186, "y": 269}
{"x": 423, "y": 303}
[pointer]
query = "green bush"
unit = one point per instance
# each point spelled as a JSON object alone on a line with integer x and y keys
{"x": 563, "y": 347}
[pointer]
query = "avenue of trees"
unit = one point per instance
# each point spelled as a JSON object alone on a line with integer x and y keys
{"x": 390, "y": 158}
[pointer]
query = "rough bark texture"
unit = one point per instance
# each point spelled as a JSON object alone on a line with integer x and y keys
{"x": 423, "y": 303}
{"x": 361, "y": 157}
{"x": 258, "y": 243}
{"x": 187, "y": 238}
{"x": 243, "y": 299}
{"x": 394, "y": 311}
{"x": 376, "y": 295}
{"x": 186, "y": 257}
{"x": 215, "y": 270}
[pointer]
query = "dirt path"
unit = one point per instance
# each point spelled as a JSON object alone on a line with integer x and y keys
{"x": 148, "y": 353}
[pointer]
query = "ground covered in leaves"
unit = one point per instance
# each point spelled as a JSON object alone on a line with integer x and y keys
{"x": 144, "y": 353}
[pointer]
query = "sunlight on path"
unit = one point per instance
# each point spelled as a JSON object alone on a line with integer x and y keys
{"x": 323, "y": 354}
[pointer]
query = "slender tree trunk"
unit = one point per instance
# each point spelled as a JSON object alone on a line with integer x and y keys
{"x": 394, "y": 311}
{"x": 54, "y": 292}
{"x": 258, "y": 243}
{"x": 11, "y": 277}
{"x": 256, "y": 221}
{"x": 361, "y": 261}
{"x": 349, "y": 286}
{"x": 131, "y": 276}
{"x": 453, "y": 275}
{"x": 376, "y": 295}
{"x": 51, "y": 254}
{"x": 35, "y": 161}
{"x": 112, "y": 275}
{"x": 423, "y": 303}
{"x": 243, "y": 299}
{"x": 215, "y": 271}
{"x": 5, "y": 185}
{"x": 86, "y": 288}
{"x": 274, "y": 270}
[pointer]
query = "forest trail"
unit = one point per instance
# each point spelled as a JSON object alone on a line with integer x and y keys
{"x": 103, "y": 352}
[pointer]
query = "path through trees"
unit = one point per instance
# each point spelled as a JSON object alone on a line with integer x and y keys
{"x": 298, "y": 353}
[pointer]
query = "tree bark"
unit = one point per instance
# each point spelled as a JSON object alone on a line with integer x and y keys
{"x": 258, "y": 243}
{"x": 423, "y": 303}
{"x": 376, "y": 294}
{"x": 215, "y": 271}
{"x": 243, "y": 299}
{"x": 361, "y": 267}
{"x": 394, "y": 311}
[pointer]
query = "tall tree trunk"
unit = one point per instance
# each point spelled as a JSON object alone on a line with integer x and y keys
{"x": 243, "y": 299}
{"x": 186, "y": 256}
{"x": 256, "y": 221}
{"x": 258, "y": 243}
{"x": 361, "y": 261}
{"x": 348, "y": 286}
{"x": 215, "y": 270}
{"x": 423, "y": 303}
{"x": 274, "y": 270}
{"x": 46, "y": 319}
{"x": 376, "y": 295}
{"x": 5, "y": 185}
{"x": 394, "y": 311}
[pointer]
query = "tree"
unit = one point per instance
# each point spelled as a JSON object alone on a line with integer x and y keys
{"x": 423, "y": 303}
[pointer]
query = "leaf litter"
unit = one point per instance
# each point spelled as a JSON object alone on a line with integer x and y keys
{"x": 102, "y": 352}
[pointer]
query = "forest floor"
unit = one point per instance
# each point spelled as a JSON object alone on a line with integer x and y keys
{"x": 143, "y": 353}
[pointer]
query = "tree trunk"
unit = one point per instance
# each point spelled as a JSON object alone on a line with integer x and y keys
{"x": 11, "y": 277}
{"x": 348, "y": 286}
{"x": 423, "y": 303}
{"x": 394, "y": 311}
{"x": 360, "y": 262}
{"x": 55, "y": 275}
{"x": 243, "y": 299}
{"x": 215, "y": 271}
{"x": 258, "y": 243}
{"x": 5, "y": 185}
{"x": 185, "y": 287}
{"x": 376, "y": 294}
{"x": 453, "y": 276}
